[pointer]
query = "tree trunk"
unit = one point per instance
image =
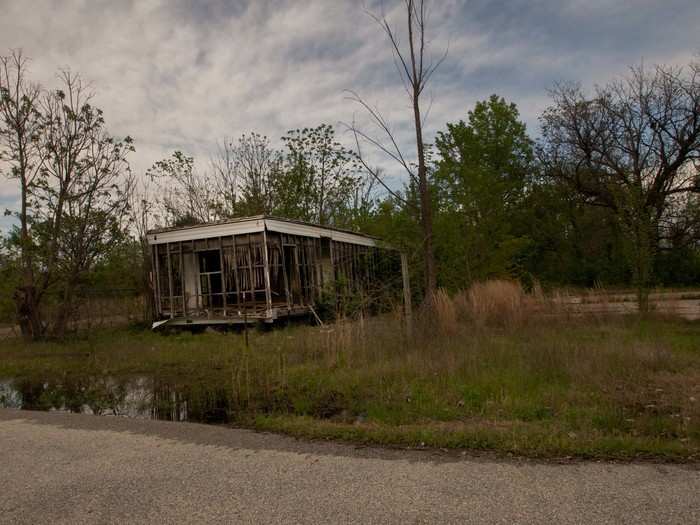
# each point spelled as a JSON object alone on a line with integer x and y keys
{"x": 28, "y": 315}
{"x": 642, "y": 273}
{"x": 64, "y": 312}
{"x": 426, "y": 205}
{"x": 642, "y": 252}
{"x": 26, "y": 297}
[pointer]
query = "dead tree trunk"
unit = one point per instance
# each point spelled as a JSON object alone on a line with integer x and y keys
{"x": 415, "y": 71}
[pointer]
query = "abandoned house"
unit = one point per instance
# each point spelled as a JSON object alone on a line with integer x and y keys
{"x": 263, "y": 268}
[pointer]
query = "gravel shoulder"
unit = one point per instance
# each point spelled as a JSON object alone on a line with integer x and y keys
{"x": 67, "y": 468}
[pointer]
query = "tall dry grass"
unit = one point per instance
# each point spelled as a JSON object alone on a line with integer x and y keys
{"x": 440, "y": 312}
{"x": 504, "y": 303}
{"x": 499, "y": 302}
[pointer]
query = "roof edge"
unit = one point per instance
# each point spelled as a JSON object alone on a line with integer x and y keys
{"x": 238, "y": 220}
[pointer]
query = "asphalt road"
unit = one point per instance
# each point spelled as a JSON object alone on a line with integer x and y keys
{"x": 65, "y": 468}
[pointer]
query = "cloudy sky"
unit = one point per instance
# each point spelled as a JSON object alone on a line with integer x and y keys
{"x": 184, "y": 74}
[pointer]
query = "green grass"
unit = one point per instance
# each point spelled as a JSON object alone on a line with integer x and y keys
{"x": 624, "y": 388}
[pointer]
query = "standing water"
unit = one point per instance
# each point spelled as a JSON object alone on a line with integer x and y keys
{"x": 132, "y": 396}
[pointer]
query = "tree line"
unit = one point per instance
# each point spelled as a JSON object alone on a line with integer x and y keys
{"x": 606, "y": 194}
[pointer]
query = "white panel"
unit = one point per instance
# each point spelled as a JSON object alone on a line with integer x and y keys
{"x": 306, "y": 230}
{"x": 257, "y": 225}
{"x": 352, "y": 238}
{"x": 292, "y": 228}
{"x": 206, "y": 232}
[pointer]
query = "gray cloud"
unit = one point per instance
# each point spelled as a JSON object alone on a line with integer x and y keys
{"x": 184, "y": 74}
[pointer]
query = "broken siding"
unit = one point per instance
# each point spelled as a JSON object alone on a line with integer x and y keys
{"x": 257, "y": 272}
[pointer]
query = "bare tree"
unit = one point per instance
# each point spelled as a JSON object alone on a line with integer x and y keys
{"x": 363, "y": 200}
{"x": 252, "y": 167}
{"x": 630, "y": 148}
{"x": 415, "y": 69}
{"x": 224, "y": 171}
{"x": 21, "y": 156}
{"x": 184, "y": 195}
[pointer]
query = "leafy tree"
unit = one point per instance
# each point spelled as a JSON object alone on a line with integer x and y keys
{"x": 481, "y": 178}
{"x": 84, "y": 204}
{"x": 570, "y": 242}
{"x": 319, "y": 177}
{"x": 314, "y": 179}
{"x": 118, "y": 268}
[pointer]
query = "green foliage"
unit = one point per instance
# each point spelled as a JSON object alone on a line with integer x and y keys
{"x": 396, "y": 223}
{"x": 318, "y": 179}
{"x": 9, "y": 276}
{"x": 571, "y": 243}
{"x": 480, "y": 179}
{"x": 119, "y": 268}
{"x": 495, "y": 213}
{"x": 631, "y": 147}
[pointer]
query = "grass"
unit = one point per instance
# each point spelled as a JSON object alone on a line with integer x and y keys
{"x": 465, "y": 378}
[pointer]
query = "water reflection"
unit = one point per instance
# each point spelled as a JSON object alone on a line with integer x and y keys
{"x": 134, "y": 396}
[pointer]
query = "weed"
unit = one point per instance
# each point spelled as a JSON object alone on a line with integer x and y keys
{"x": 488, "y": 369}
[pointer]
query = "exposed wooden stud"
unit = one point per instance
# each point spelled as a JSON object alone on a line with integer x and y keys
{"x": 268, "y": 287}
{"x": 287, "y": 290}
{"x": 182, "y": 279}
{"x": 159, "y": 308}
{"x": 321, "y": 282}
{"x": 223, "y": 273}
{"x": 355, "y": 267}
{"x": 318, "y": 279}
{"x": 303, "y": 277}
{"x": 251, "y": 274}
{"x": 209, "y": 304}
{"x": 235, "y": 272}
{"x": 170, "y": 279}
{"x": 197, "y": 283}
{"x": 331, "y": 252}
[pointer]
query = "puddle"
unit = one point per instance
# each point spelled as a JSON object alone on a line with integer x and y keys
{"x": 133, "y": 396}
